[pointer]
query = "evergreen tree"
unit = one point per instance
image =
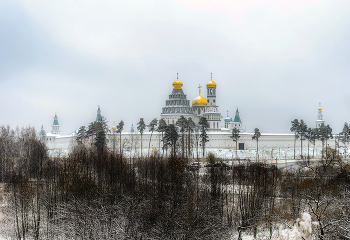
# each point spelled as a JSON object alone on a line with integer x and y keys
{"x": 190, "y": 126}
{"x": 324, "y": 133}
{"x": 92, "y": 131}
{"x": 100, "y": 140}
{"x": 152, "y": 128}
{"x": 203, "y": 124}
{"x": 161, "y": 128}
{"x": 182, "y": 124}
{"x": 98, "y": 130}
{"x": 235, "y": 136}
{"x": 302, "y": 131}
{"x": 256, "y": 136}
{"x": 170, "y": 138}
{"x": 141, "y": 126}
{"x": 311, "y": 136}
{"x": 81, "y": 135}
{"x": 294, "y": 128}
{"x": 345, "y": 136}
{"x": 120, "y": 128}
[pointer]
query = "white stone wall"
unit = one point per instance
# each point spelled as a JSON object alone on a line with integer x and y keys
{"x": 216, "y": 140}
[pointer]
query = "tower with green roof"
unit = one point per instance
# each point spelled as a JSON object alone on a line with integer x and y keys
{"x": 227, "y": 121}
{"x": 236, "y": 123}
{"x": 55, "y": 125}
{"x": 99, "y": 116}
{"x": 42, "y": 131}
{"x": 237, "y": 117}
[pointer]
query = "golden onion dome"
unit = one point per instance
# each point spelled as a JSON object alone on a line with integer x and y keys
{"x": 177, "y": 84}
{"x": 319, "y": 108}
{"x": 199, "y": 101}
{"x": 211, "y": 83}
{"x": 114, "y": 127}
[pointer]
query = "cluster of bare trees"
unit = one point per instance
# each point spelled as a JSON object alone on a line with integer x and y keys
{"x": 96, "y": 193}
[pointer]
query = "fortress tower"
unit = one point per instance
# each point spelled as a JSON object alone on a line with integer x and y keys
{"x": 55, "y": 126}
{"x": 99, "y": 116}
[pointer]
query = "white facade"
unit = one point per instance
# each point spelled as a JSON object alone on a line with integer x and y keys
{"x": 217, "y": 140}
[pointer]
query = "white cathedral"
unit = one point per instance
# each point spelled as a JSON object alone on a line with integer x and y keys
{"x": 177, "y": 105}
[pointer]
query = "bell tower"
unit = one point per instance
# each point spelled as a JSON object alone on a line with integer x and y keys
{"x": 211, "y": 92}
{"x": 319, "y": 120}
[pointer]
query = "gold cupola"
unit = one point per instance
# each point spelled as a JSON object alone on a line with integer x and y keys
{"x": 114, "y": 127}
{"x": 319, "y": 108}
{"x": 211, "y": 84}
{"x": 199, "y": 101}
{"x": 177, "y": 84}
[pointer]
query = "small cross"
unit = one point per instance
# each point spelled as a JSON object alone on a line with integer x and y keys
{"x": 199, "y": 88}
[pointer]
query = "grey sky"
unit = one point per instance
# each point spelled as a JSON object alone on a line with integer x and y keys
{"x": 275, "y": 60}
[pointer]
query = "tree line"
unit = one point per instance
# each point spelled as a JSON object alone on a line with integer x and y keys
{"x": 97, "y": 193}
{"x": 322, "y": 133}
{"x": 177, "y": 138}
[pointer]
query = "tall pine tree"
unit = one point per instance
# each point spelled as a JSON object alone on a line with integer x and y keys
{"x": 345, "y": 136}
{"x": 294, "y": 128}
{"x": 141, "y": 126}
{"x": 170, "y": 138}
{"x": 235, "y": 136}
{"x": 203, "y": 124}
{"x": 161, "y": 128}
{"x": 120, "y": 128}
{"x": 152, "y": 128}
{"x": 182, "y": 124}
{"x": 256, "y": 137}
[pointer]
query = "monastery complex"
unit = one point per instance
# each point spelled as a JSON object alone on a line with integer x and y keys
{"x": 219, "y": 130}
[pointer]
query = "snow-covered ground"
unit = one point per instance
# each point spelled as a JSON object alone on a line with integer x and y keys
{"x": 265, "y": 154}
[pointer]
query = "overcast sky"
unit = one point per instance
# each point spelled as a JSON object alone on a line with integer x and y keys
{"x": 275, "y": 60}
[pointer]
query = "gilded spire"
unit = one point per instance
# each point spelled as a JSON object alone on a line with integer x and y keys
{"x": 114, "y": 127}
{"x": 211, "y": 84}
{"x": 227, "y": 113}
{"x": 319, "y": 108}
{"x": 199, "y": 87}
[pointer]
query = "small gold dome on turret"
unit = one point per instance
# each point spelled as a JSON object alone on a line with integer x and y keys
{"x": 114, "y": 127}
{"x": 177, "y": 84}
{"x": 319, "y": 108}
{"x": 199, "y": 101}
{"x": 211, "y": 84}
